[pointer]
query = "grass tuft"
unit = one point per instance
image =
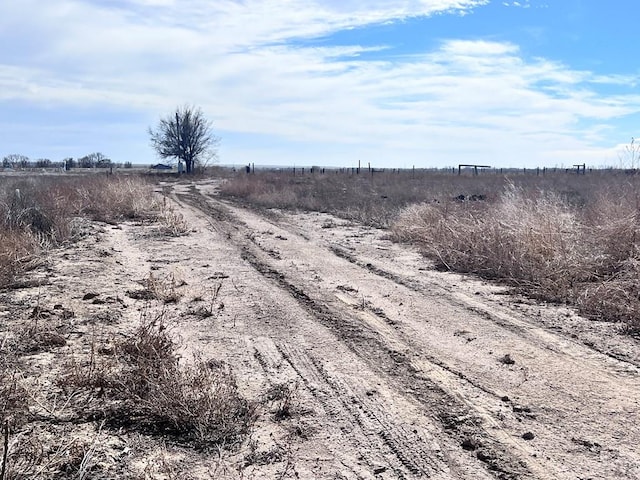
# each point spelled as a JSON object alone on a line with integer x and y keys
{"x": 144, "y": 386}
{"x": 40, "y": 212}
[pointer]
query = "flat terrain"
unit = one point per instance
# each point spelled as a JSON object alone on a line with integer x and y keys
{"x": 389, "y": 368}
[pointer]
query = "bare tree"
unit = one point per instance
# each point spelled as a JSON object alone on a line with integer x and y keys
{"x": 630, "y": 158}
{"x": 92, "y": 160}
{"x": 186, "y": 135}
{"x": 16, "y": 161}
{"x": 43, "y": 163}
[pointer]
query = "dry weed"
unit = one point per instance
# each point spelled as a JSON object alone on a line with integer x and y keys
{"x": 39, "y": 212}
{"x": 144, "y": 386}
{"x": 532, "y": 242}
{"x": 282, "y": 399}
{"x": 211, "y": 305}
{"x": 173, "y": 223}
{"x": 164, "y": 289}
{"x": 29, "y": 456}
{"x": 550, "y": 246}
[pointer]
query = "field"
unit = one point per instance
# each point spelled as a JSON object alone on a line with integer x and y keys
{"x": 386, "y": 325}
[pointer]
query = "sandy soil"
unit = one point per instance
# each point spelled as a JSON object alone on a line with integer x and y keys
{"x": 395, "y": 370}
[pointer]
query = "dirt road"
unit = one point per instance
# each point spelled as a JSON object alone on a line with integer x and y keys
{"x": 405, "y": 372}
{"x": 394, "y": 370}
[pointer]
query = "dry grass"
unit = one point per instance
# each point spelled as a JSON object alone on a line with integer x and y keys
{"x": 541, "y": 243}
{"x": 282, "y": 399}
{"x": 172, "y": 222}
{"x": 534, "y": 242}
{"x": 137, "y": 386}
{"x": 38, "y": 212}
{"x": 17, "y": 249}
{"x": 162, "y": 288}
{"x": 13, "y": 396}
{"x": 28, "y": 458}
{"x": 370, "y": 199}
{"x": 142, "y": 385}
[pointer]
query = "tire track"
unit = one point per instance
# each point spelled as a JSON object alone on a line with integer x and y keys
{"x": 367, "y": 345}
{"x": 334, "y": 401}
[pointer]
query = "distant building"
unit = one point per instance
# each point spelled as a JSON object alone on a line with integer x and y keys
{"x": 161, "y": 166}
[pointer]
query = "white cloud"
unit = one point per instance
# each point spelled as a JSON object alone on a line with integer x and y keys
{"x": 243, "y": 62}
{"x": 524, "y": 4}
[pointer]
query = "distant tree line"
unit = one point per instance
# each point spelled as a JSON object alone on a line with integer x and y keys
{"x": 93, "y": 160}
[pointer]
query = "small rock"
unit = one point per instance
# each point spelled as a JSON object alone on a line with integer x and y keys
{"x": 107, "y": 349}
{"x": 89, "y": 296}
{"x": 521, "y": 409}
{"x": 469, "y": 444}
{"x": 379, "y": 470}
{"x": 507, "y": 360}
{"x": 528, "y": 436}
{"x": 483, "y": 456}
{"x": 505, "y": 399}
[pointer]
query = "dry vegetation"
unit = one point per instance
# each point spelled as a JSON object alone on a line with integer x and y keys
{"x": 563, "y": 238}
{"x": 142, "y": 385}
{"x": 54, "y": 414}
{"x": 560, "y": 237}
{"x": 37, "y": 213}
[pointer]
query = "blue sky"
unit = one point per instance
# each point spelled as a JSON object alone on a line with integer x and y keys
{"x": 397, "y": 83}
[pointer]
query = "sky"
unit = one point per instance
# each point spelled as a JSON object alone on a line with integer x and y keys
{"x": 393, "y": 83}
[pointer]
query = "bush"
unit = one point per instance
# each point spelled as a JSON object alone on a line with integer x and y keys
{"x": 144, "y": 387}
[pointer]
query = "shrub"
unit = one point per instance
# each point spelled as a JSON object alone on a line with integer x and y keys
{"x": 145, "y": 387}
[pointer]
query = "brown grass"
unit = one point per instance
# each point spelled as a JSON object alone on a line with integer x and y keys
{"x": 163, "y": 288}
{"x": 13, "y": 396}
{"x": 39, "y": 212}
{"x": 142, "y": 385}
{"x": 137, "y": 384}
{"x": 370, "y": 199}
{"x": 585, "y": 255}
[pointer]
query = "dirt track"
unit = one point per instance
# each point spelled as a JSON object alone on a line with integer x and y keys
{"x": 404, "y": 368}
{"x": 400, "y": 371}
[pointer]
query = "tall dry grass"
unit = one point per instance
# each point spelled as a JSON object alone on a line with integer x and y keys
{"x": 38, "y": 212}
{"x": 533, "y": 241}
{"x": 543, "y": 243}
